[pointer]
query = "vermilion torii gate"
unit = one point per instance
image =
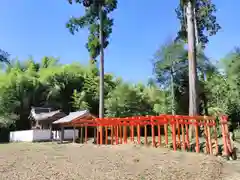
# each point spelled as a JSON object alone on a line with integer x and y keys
{"x": 164, "y": 130}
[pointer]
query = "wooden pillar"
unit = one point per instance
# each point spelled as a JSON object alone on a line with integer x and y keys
{"x": 81, "y": 134}
{"x": 51, "y": 133}
{"x": 62, "y": 134}
{"x": 37, "y": 124}
{"x": 95, "y": 135}
{"x": 74, "y": 134}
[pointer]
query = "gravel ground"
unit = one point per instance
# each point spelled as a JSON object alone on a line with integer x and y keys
{"x": 41, "y": 161}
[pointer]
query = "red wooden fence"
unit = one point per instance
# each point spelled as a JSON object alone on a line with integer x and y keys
{"x": 132, "y": 129}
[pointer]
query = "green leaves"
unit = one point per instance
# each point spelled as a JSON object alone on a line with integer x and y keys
{"x": 80, "y": 101}
{"x": 90, "y": 20}
{"x": 4, "y": 60}
{"x": 76, "y": 87}
{"x": 134, "y": 100}
{"x": 122, "y": 102}
{"x": 76, "y": 1}
{"x": 4, "y": 57}
{"x": 206, "y": 22}
{"x": 169, "y": 59}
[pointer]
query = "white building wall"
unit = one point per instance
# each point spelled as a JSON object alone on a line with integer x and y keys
{"x": 40, "y": 135}
{"x": 68, "y": 134}
{"x": 25, "y": 136}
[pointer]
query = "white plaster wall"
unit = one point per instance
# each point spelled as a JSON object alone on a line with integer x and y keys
{"x": 68, "y": 134}
{"x": 24, "y": 136}
{"x": 40, "y": 135}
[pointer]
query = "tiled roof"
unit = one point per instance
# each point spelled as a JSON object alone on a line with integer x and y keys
{"x": 72, "y": 116}
{"x": 41, "y": 114}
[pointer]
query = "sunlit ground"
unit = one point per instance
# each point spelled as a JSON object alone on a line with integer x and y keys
{"x": 34, "y": 161}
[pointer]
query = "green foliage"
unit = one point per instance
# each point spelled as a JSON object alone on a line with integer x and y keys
{"x": 134, "y": 100}
{"x": 171, "y": 70}
{"x": 19, "y": 90}
{"x": 70, "y": 87}
{"x": 159, "y": 100}
{"x": 4, "y": 57}
{"x": 223, "y": 88}
{"x": 169, "y": 59}
{"x": 79, "y": 100}
{"x": 205, "y": 20}
{"x": 76, "y": 87}
{"x": 90, "y": 20}
{"x": 27, "y": 83}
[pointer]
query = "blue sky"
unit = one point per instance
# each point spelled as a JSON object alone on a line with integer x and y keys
{"x": 37, "y": 28}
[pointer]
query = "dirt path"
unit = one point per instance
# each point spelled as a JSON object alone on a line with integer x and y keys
{"x": 23, "y": 161}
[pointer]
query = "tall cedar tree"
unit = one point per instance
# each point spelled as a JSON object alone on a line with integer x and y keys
{"x": 206, "y": 22}
{"x": 196, "y": 17}
{"x": 91, "y": 21}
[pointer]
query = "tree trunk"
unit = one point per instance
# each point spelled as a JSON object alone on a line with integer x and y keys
{"x": 205, "y": 105}
{"x": 195, "y": 26}
{"x": 193, "y": 96}
{"x": 172, "y": 92}
{"x": 101, "y": 82}
{"x": 204, "y": 97}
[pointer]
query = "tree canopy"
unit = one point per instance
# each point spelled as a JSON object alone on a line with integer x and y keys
{"x": 205, "y": 20}
{"x": 90, "y": 20}
{"x": 75, "y": 86}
